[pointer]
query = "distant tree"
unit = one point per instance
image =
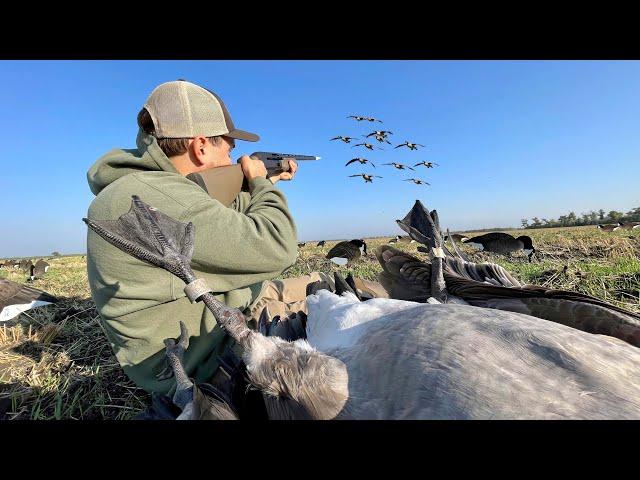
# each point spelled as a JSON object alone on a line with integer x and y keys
{"x": 55, "y": 254}
{"x": 614, "y": 215}
{"x": 593, "y": 216}
{"x": 601, "y": 213}
{"x": 536, "y": 222}
{"x": 571, "y": 218}
{"x": 524, "y": 222}
{"x": 563, "y": 220}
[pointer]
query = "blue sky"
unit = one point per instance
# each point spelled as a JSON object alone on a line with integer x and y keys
{"x": 513, "y": 139}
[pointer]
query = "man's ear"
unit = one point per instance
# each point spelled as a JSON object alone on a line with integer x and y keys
{"x": 198, "y": 148}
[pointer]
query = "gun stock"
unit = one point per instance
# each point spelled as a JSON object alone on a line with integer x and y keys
{"x": 224, "y": 183}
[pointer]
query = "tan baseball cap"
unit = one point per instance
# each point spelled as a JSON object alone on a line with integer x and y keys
{"x": 183, "y": 109}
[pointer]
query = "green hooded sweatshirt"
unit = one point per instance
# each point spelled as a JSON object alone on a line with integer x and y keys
{"x": 236, "y": 249}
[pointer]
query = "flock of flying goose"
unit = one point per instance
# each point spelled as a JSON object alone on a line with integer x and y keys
{"x": 382, "y": 137}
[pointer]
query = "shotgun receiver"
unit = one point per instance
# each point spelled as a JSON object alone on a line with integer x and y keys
{"x": 224, "y": 183}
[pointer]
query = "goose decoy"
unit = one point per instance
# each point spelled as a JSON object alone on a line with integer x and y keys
{"x": 301, "y": 244}
{"x": 455, "y": 237}
{"x": 361, "y": 160}
{"x": 608, "y": 227}
{"x": 25, "y": 265}
{"x": 366, "y": 145}
{"x": 426, "y": 164}
{"x": 16, "y": 298}
{"x": 629, "y": 225}
{"x": 503, "y": 243}
{"x": 402, "y": 239}
{"x": 431, "y": 361}
{"x": 321, "y": 243}
{"x": 399, "y": 166}
{"x": 344, "y": 139}
{"x": 411, "y": 146}
{"x": 417, "y": 181}
{"x": 346, "y": 253}
{"x": 367, "y": 178}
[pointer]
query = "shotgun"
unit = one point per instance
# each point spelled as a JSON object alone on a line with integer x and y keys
{"x": 224, "y": 183}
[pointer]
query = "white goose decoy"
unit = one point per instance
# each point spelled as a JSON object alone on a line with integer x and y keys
{"x": 393, "y": 359}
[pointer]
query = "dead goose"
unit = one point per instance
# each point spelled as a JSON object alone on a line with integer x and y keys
{"x": 431, "y": 361}
{"x": 608, "y": 227}
{"x": 502, "y": 243}
{"x": 629, "y": 225}
{"x": 399, "y": 166}
{"x": 411, "y": 146}
{"x": 489, "y": 285}
{"x": 361, "y": 160}
{"x": 16, "y": 298}
{"x": 367, "y": 178}
{"x": 346, "y": 253}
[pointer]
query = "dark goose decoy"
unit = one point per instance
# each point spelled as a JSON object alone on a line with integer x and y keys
{"x": 367, "y": 178}
{"x": 431, "y": 361}
{"x": 629, "y": 225}
{"x": 426, "y": 164}
{"x": 417, "y": 181}
{"x": 344, "y": 139}
{"x": 361, "y": 160}
{"x": 25, "y": 265}
{"x": 346, "y": 253}
{"x": 402, "y": 239}
{"x": 456, "y": 237}
{"x": 608, "y": 227}
{"x": 503, "y": 243}
{"x": 399, "y": 166}
{"x": 301, "y": 244}
{"x": 411, "y": 146}
{"x": 321, "y": 243}
{"x": 16, "y": 298}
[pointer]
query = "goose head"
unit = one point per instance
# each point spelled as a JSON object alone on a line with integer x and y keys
{"x": 528, "y": 245}
{"x": 361, "y": 244}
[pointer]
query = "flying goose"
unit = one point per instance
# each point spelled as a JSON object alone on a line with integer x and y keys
{"x": 609, "y": 227}
{"x": 371, "y": 119}
{"x": 344, "y": 139}
{"x": 358, "y": 118}
{"x": 417, "y": 181}
{"x": 431, "y": 361}
{"x": 346, "y": 253}
{"x": 361, "y": 160}
{"x": 16, "y": 298}
{"x": 399, "y": 166}
{"x": 502, "y": 243}
{"x": 380, "y": 133}
{"x": 426, "y": 164}
{"x": 629, "y": 225}
{"x": 366, "y": 145}
{"x": 367, "y": 178}
{"x": 411, "y": 146}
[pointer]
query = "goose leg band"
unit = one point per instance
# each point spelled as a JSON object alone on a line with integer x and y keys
{"x": 437, "y": 252}
{"x": 196, "y": 289}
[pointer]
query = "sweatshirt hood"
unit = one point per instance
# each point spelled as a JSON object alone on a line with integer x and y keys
{"x": 117, "y": 163}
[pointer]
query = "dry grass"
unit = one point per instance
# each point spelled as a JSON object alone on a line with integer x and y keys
{"x": 56, "y": 363}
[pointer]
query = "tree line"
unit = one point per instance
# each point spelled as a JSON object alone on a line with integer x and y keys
{"x": 590, "y": 218}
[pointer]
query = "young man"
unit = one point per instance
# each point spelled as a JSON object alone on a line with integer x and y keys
{"x": 184, "y": 128}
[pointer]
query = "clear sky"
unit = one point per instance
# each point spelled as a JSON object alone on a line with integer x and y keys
{"x": 514, "y": 139}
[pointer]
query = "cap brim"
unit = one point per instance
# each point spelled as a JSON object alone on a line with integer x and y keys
{"x": 242, "y": 135}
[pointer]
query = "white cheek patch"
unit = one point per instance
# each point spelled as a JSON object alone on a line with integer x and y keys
{"x": 339, "y": 261}
{"x": 635, "y": 226}
{"x": 477, "y": 246}
{"x": 527, "y": 251}
{"x": 46, "y": 268}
